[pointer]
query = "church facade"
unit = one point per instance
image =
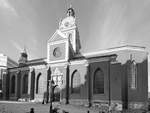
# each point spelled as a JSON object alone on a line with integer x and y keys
{"x": 114, "y": 77}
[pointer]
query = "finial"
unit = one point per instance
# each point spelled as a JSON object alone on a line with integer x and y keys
{"x": 24, "y": 49}
{"x": 131, "y": 57}
{"x": 70, "y": 6}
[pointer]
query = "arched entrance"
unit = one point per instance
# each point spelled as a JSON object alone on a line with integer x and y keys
{"x": 57, "y": 77}
{"x": 56, "y": 94}
{"x": 25, "y": 84}
{"x": 13, "y": 84}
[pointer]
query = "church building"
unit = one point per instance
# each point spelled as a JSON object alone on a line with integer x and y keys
{"x": 112, "y": 77}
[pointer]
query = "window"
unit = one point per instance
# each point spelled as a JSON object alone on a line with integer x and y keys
{"x": 25, "y": 84}
{"x": 98, "y": 82}
{"x": 75, "y": 82}
{"x": 133, "y": 75}
{"x": 37, "y": 83}
{"x": 13, "y": 83}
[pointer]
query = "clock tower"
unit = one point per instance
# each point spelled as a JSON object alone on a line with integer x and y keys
{"x": 65, "y": 43}
{"x": 69, "y": 28}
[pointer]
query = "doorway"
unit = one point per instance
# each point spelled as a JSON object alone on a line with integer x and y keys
{"x": 56, "y": 94}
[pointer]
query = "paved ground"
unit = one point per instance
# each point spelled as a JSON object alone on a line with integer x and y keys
{"x": 24, "y": 107}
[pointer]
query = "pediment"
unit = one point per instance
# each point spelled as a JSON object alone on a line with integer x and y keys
{"x": 58, "y": 35}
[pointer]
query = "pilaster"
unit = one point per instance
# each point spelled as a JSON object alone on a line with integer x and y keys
{"x": 67, "y": 84}
{"x": 88, "y": 84}
{"x": 29, "y": 81}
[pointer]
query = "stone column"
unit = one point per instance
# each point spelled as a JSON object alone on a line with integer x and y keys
{"x": 67, "y": 84}
{"x": 88, "y": 84}
{"x": 7, "y": 82}
{"x": 32, "y": 84}
{"x": 4, "y": 83}
{"x": 15, "y": 95}
{"x": 48, "y": 78}
{"x": 18, "y": 83}
{"x": 29, "y": 82}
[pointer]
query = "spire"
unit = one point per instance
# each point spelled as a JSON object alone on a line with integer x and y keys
{"x": 70, "y": 6}
{"x": 131, "y": 57}
{"x": 24, "y": 49}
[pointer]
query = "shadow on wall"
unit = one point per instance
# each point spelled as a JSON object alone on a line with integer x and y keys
{"x": 130, "y": 76}
{"x": 17, "y": 83}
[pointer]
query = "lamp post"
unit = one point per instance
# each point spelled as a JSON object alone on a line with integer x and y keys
{"x": 51, "y": 87}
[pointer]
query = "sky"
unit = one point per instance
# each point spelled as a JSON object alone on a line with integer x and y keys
{"x": 102, "y": 24}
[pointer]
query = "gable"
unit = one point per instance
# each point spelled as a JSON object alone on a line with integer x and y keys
{"x": 58, "y": 35}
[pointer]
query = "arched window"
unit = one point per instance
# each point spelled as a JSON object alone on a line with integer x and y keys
{"x": 75, "y": 82}
{"x": 25, "y": 84}
{"x": 133, "y": 75}
{"x": 13, "y": 84}
{"x": 37, "y": 83}
{"x": 98, "y": 82}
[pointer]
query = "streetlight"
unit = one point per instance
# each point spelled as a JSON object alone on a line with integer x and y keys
{"x": 51, "y": 92}
{"x": 51, "y": 87}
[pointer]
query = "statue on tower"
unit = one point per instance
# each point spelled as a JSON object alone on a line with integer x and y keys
{"x": 71, "y": 12}
{"x": 69, "y": 28}
{"x": 68, "y": 21}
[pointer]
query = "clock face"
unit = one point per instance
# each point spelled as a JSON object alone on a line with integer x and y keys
{"x": 57, "y": 52}
{"x": 67, "y": 22}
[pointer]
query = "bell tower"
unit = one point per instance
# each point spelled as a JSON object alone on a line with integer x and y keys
{"x": 68, "y": 27}
{"x": 64, "y": 43}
